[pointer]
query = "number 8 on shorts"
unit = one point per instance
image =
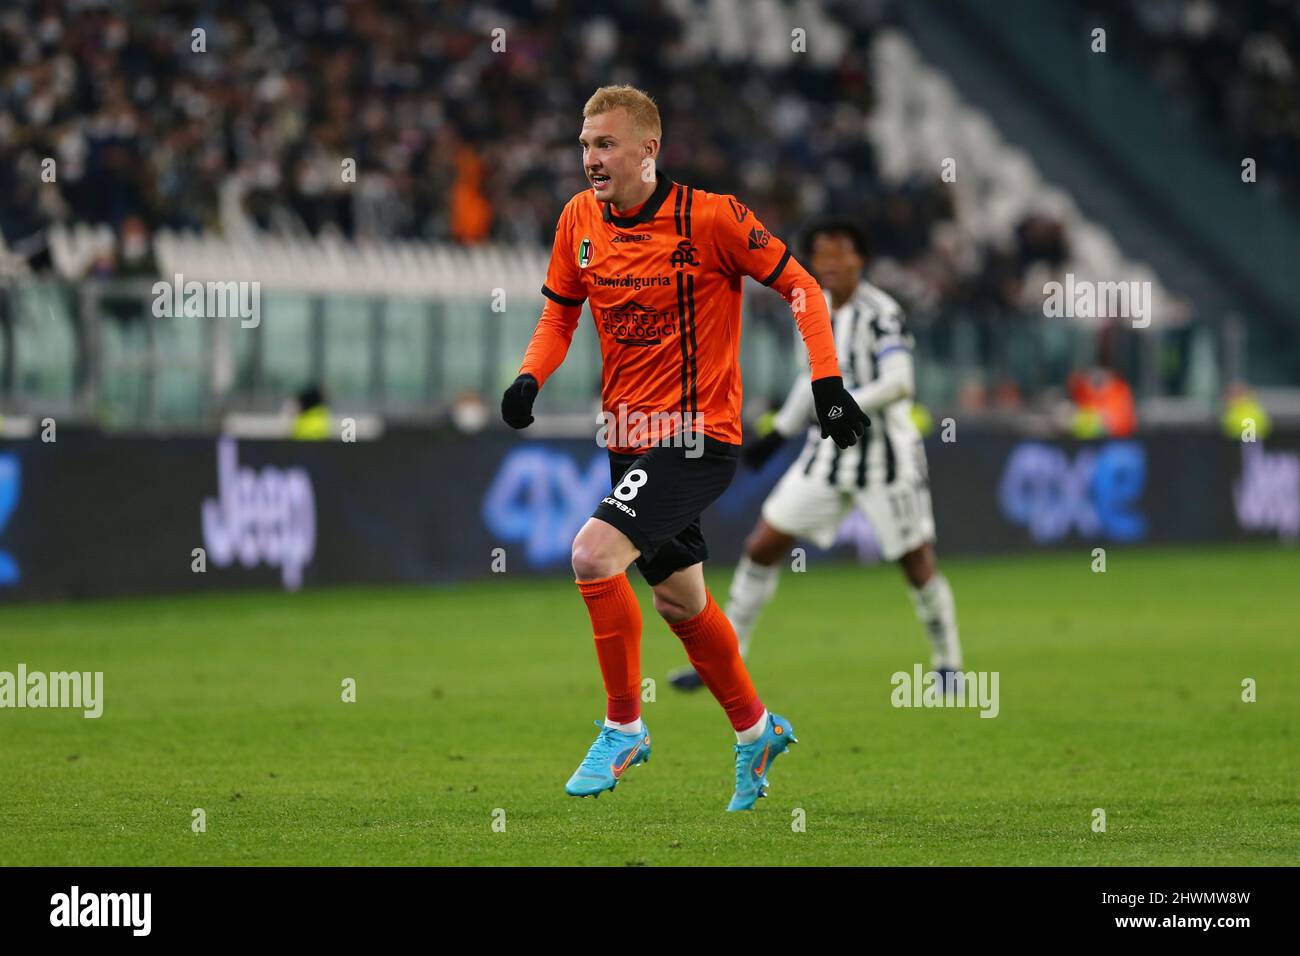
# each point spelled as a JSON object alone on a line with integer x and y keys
{"x": 631, "y": 483}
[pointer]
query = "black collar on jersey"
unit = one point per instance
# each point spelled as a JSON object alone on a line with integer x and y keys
{"x": 663, "y": 187}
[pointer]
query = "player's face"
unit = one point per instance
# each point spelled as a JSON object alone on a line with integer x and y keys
{"x": 612, "y": 157}
{"x": 836, "y": 263}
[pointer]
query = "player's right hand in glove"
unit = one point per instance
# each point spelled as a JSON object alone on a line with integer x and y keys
{"x": 517, "y": 402}
{"x": 757, "y": 452}
{"x": 838, "y": 413}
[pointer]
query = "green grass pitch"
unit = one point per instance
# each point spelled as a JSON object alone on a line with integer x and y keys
{"x": 1119, "y": 690}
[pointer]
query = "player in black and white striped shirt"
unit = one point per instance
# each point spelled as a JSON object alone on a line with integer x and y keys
{"x": 884, "y": 475}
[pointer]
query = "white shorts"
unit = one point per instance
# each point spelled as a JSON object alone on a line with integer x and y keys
{"x": 810, "y": 508}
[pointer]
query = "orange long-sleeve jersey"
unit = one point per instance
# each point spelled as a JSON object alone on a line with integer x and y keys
{"x": 664, "y": 284}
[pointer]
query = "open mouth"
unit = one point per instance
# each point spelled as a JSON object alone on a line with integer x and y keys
{"x": 599, "y": 180}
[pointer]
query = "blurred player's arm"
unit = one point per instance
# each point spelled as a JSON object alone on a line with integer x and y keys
{"x": 746, "y": 246}
{"x": 796, "y": 412}
{"x": 797, "y": 409}
{"x": 895, "y": 379}
{"x": 891, "y": 346}
{"x": 554, "y": 333}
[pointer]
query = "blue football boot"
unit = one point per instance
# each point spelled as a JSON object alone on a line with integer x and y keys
{"x": 611, "y": 754}
{"x": 753, "y": 761}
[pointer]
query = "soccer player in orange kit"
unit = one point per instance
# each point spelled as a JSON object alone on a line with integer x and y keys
{"x": 661, "y": 265}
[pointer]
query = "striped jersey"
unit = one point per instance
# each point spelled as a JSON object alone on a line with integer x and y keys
{"x": 869, "y": 326}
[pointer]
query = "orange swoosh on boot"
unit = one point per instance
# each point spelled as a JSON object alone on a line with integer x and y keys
{"x": 618, "y": 771}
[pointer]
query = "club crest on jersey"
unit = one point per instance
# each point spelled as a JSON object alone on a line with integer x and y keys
{"x": 683, "y": 255}
{"x": 584, "y": 253}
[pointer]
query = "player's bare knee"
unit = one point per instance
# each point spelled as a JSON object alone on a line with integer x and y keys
{"x": 675, "y": 609}
{"x": 592, "y": 560}
{"x": 667, "y": 608}
{"x": 765, "y": 545}
{"x": 919, "y": 566}
{"x": 586, "y": 564}
{"x": 600, "y": 551}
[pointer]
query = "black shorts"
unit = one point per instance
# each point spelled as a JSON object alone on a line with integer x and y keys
{"x": 657, "y": 498}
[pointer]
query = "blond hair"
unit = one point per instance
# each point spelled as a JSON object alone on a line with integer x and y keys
{"x": 641, "y": 109}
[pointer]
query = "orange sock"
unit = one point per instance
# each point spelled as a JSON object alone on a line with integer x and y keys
{"x": 711, "y": 645}
{"x": 616, "y": 625}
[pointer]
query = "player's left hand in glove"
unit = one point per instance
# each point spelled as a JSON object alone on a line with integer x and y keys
{"x": 517, "y": 402}
{"x": 838, "y": 413}
{"x": 756, "y": 454}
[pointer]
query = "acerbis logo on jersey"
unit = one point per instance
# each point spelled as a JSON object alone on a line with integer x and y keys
{"x": 636, "y": 237}
{"x": 584, "y": 253}
{"x": 631, "y": 512}
{"x": 759, "y": 238}
{"x": 626, "y": 490}
{"x": 635, "y": 324}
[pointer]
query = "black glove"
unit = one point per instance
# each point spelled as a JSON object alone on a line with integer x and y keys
{"x": 517, "y": 402}
{"x": 837, "y": 412}
{"x": 756, "y": 453}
